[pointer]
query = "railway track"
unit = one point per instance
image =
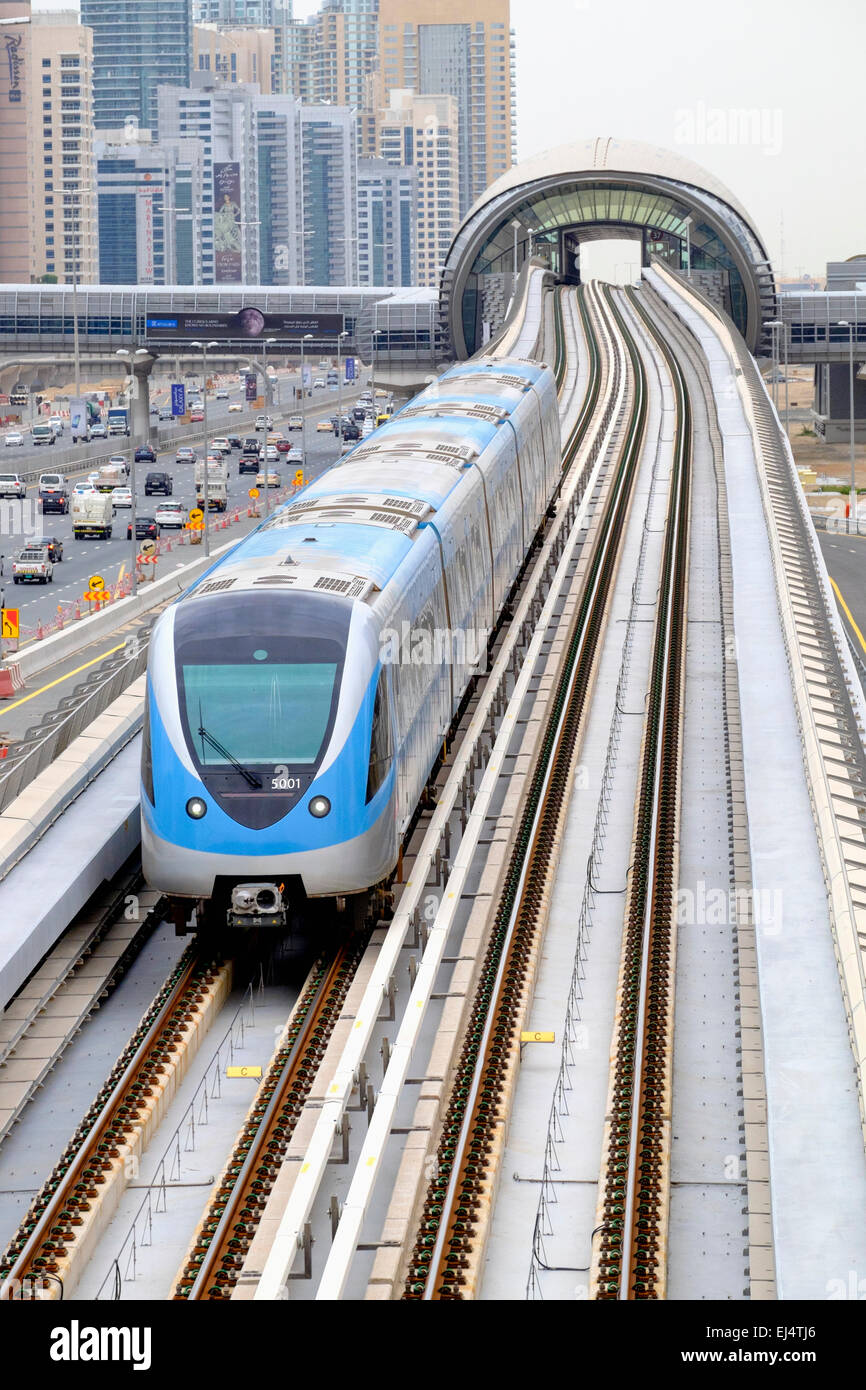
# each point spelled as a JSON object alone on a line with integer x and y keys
{"x": 630, "y": 1259}
{"x": 63, "y": 1219}
{"x": 453, "y": 1207}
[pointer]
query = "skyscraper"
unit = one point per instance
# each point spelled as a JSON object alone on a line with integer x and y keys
{"x": 15, "y": 142}
{"x": 423, "y": 131}
{"x": 137, "y": 46}
{"x": 63, "y": 175}
{"x": 257, "y": 12}
{"x": 461, "y": 48}
{"x": 386, "y": 223}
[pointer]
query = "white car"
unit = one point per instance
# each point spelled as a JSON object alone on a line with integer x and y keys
{"x": 121, "y": 496}
{"x": 93, "y": 479}
{"x": 98, "y": 431}
{"x": 319, "y": 384}
{"x": 293, "y": 456}
{"x": 171, "y": 514}
{"x": 295, "y": 422}
{"x": 264, "y": 422}
{"x": 221, "y": 446}
{"x": 12, "y": 485}
{"x": 15, "y": 440}
{"x": 119, "y": 461}
{"x": 81, "y": 489}
{"x": 222, "y": 395}
{"x": 57, "y": 423}
{"x": 235, "y": 408}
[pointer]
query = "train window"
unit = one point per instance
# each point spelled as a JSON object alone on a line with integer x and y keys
{"x": 380, "y": 740}
{"x": 146, "y": 754}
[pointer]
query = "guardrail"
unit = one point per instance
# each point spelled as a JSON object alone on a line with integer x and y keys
{"x": 54, "y": 733}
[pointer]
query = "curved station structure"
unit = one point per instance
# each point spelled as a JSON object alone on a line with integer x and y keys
{"x": 604, "y": 188}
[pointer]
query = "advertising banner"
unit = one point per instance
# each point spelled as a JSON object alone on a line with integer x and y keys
{"x": 144, "y": 237}
{"x": 178, "y": 398}
{"x": 228, "y": 255}
{"x": 350, "y": 369}
{"x": 241, "y": 327}
{"x": 252, "y": 386}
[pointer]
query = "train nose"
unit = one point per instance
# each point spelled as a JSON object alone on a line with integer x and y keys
{"x": 257, "y": 905}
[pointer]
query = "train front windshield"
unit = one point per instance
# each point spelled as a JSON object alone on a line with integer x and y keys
{"x": 259, "y": 679}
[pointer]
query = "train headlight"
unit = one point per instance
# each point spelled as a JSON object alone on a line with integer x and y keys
{"x": 196, "y": 807}
{"x": 319, "y": 806}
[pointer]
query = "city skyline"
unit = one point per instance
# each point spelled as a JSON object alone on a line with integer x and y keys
{"x": 709, "y": 94}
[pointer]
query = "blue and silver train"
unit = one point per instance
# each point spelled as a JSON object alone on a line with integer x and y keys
{"x": 299, "y": 693}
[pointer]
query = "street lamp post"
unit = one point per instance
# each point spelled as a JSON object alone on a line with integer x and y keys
{"x": 204, "y": 348}
{"x": 268, "y": 403}
{"x": 852, "y": 502}
{"x": 340, "y": 337}
{"x": 516, "y": 225}
{"x": 307, "y": 338}
{"x": 130, "y": 357}
{"x": 774, "y": 325}
{"x": 687, "y": 223}
{"x": 376, "y": 332}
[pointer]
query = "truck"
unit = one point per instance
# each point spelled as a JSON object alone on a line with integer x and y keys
{"x": 217, "y": 483}
{"x": 82, "y": 414}
{"x": 92, "y": 514}
{"x": 118, "y": 420}
{"x": 33, "y": 563}
{"x": 42, "y": 434}
{"x": 110, "y": 475}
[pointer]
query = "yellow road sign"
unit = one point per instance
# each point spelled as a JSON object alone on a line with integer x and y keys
{"x": 147, "y": 548}
{"x": 244, "y": 1071}
{"x": 11, "y": 622}
{"x": 94, "y": 595}
{"x": 196, "y": 514}
{"x": 195, "y": 526}
{"x": 96, "y": 582}
{"x": 299, "y": 478}
{"x": 254, "y": 492}
{"x": 537, "y": 1037}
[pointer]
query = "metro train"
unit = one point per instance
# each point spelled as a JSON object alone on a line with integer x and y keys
{"x": 298, "y": 694}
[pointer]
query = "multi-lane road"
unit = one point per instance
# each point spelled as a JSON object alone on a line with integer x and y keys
{"x": 109, "y": 558}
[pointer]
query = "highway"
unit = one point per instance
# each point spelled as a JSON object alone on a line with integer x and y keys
{"x": 39, "y": 603}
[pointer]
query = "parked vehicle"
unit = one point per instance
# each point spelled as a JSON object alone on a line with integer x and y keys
{"x": 12, "y": 485}
{"x": 33, "y": 563}
{"x": 92, "y": 514}
{"x": 158, "y": 482}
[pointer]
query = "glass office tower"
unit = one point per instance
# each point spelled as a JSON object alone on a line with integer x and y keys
{"x": 137, "y": 44}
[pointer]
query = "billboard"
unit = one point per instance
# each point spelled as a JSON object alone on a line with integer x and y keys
{"x": 228, "y": 254}
{"x": 245, "y": 324}
{"x": 18, "y": 142}
{"x": 251, "y": 386}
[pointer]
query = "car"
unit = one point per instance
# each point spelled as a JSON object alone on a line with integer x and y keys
{"x": 319, "y": 384}
{"x": 250, "y": 444}
{"x": 263, "y": 422}
{"x": 367, "y": 429}
{"x": 119, "y": 461}
{"x": 12, "y": 485}
{"x": 350, "y": 430}
{"x": 81, "y": 489}
{"x": 324, "y": 427}
{"x": 248, "y": 463}
{"x": 272, "y": 454}
{"x": 293, "y": 456}
{"x": 145, "y": 453}
{"x": 93, "y": 479}
{"x": 158, "y": 482}
{"x": 348, "y": 446}
{"x": 154, "y": 410}
{"x": 165, "y": 412}
{"x": 359, "y": 414}
{"x": 282, "y": 445}
{"x": 98, "y": 431}
{"x": 196, "y": 416}
{"x": 186, "y": 455}
{"x": 146, "y": 529}
{"x": 14, "y": 440}
{"x": 57, "y": 423}
{"x": 33, "y": 562}
{"x": 55, "y": 548}
{"x": 222, "y": 395}
{"x": 121, "y": 497}
{"x": 220, "y": 445}
{"x": 273, "y": 479}
{"x": 235, "y": 441}
{"x": 235, "y": 408}
{"x": 54, "y": 493}
{"x": 171, "y": 514}
{"x": 295, "y": 422}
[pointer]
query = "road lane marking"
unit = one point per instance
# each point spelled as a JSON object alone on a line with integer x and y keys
{"x": 837, "y": 591}
{"x": 60, "y": 679}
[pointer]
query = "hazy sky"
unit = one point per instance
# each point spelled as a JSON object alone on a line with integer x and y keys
{"x": 765, "y": 93}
